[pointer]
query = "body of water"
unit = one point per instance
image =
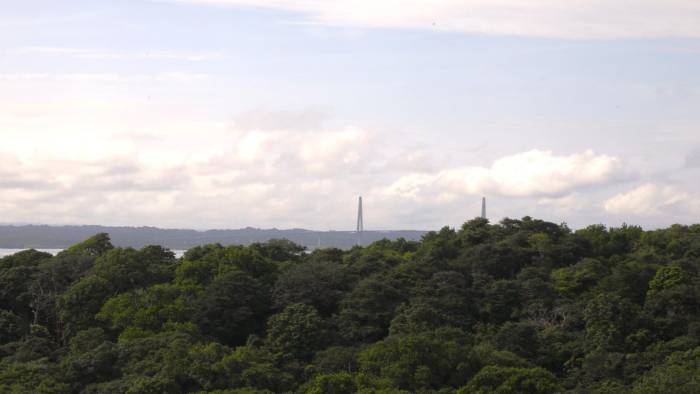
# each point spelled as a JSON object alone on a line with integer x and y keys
{"x": 8, "y": 252}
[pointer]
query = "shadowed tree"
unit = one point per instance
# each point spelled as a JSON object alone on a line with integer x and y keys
{"x": 232, "y": 307}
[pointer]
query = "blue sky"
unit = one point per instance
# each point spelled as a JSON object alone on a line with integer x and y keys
{"x": 229, "y": 113}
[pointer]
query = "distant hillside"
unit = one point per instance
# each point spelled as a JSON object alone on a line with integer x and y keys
{"x": 34, "y": 236}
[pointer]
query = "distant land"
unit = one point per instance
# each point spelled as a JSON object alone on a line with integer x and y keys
{"x": 50, "y": 237}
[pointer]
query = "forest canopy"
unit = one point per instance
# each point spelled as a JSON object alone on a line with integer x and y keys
{"x": 522, "y": 306}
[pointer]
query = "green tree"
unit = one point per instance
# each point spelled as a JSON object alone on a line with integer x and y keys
{"x": 94, "y": 246}
{"x": 336, "y": 359}
{"x": 413, "y": 362}
{"x": 39, "y": 376}
{"x": 502, "y": 380}
{"x": 678, "y": 374}
{"x": 667, "y": 277}
{"x": 16, "y": 274}
{"x": 338, "y": 383}
{"x": 206, "y": 263}
{"x": 232, "y": 307}
{"x": 90, "y": 359}
{"x": 280, "y": 250}
{"x": 368, "y": 309}
{"x": 127, "y": 269}
{"x": 500, "y": 301}
{"x": 672, "y": 300}
{"x": 254, "y": 367}
{"x": 150, "y": 308}
{"x": 12, "y": 327}
{"x": 321, "y": 284}
{"x": 579, "y": 277}
{"x": 609, "y": 319}
{"x": 298, "y": 331}
{"x": 79, "y": 304}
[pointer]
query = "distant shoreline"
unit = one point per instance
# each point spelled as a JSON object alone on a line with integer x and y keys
{"x": 59, "y": 237}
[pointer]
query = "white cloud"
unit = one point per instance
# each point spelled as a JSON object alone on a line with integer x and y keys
{"x": 651, "y": 199}
{"x": 194, "y": 175}
{"x": 567, "y": 204}
{"x": 218, "y": 175}
{"x": 531, "y": 173}
{"x": 581, "y": 19}
{"x": 339, "y": 147}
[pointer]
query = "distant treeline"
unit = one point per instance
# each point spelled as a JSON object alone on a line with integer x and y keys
{"x": 59, "y": 237}
{"x": 522, "y": 306}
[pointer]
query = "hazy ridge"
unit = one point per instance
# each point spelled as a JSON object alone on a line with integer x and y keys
{"x": 44, "y": 236}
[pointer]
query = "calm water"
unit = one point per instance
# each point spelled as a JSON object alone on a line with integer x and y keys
{"x": 7, "y": 252}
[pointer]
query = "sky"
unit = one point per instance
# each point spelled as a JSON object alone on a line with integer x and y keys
{"x": 278, "y": 113}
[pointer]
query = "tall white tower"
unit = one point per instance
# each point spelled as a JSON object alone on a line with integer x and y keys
{"x": 360, "y": 223}
{"x": 483, "y": 207}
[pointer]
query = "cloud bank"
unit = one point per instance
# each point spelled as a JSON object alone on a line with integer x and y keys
{"x": 652, "y": 199}
{"x": 234, "y": 175}
{"x": 528, "y": 174}
{"x": 582, "y": 19}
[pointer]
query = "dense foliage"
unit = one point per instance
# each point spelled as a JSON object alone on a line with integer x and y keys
{"x": 523, "y": 306}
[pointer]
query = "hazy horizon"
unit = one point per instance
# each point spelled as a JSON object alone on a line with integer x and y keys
{"x": 348, "y": 228}
{"x": 203, "y": 229}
